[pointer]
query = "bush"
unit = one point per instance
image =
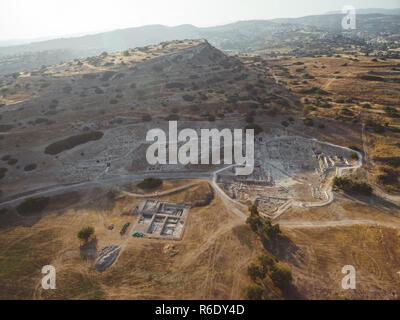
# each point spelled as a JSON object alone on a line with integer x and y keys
{"x": 85, "y": 233}
{"x": 355, "y": 148}
{"x": 253, "y": 209}
{"x": 375, "y": 126}
{"x": 349, "y": 185}
{"x": 3, "y": 172}
{"x": 266, "y": 262}
{"x": 150, "y": 183}
{"x": 173, "y": 85}
{"x": 257, "y": 129}
{"x": 172, "y": 117}
{"x": 285, "y": 124}
{"x": 281, "y": 277}
{"x": 270, "y": 231}
{"x": 254, "y": 222}
{"x": 146, "y": 118}
{"x": 255, "y": 272}
{"x": 391, "y": 112}
{"x": 125, "y": 53}
{"x": 354, "y": 156}
{"x": 12, "y": 161}
{"x": 308, "y": 122}
{"x": 371, "y": 78}
{"x": 188, "y": 98}
{"x": 314, "y": 90}
{"x": 347, "y": 112}
{"x": 254, "y": 292}
{"x": 72, "y": 142}
{"x": 30, "y": 167}
{"x": 32, "y": 205}
{"x": 393, "y": 162}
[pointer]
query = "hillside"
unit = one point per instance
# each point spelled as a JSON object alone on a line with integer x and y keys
{"x": 73, "y": 154}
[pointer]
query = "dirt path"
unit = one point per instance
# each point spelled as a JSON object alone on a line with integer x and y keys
{"x": 159, "y": 194}
{"x": 339, "y": 223}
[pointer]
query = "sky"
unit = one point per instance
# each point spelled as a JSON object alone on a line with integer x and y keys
{"x": 34, "y": 19}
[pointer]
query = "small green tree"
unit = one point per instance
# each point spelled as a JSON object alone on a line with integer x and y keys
{"x": 266, "y": 262}
{"x": 85, "y": 233}
{"x": 254, "y": 292}
{"x": 253, "y": 210}
{"x": 254, "y": 222}
{"x": 281, "y": 277}
{"x": 255, "y": 272}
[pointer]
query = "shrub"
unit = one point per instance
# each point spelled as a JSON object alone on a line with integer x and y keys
{"x": 254, "y": 292}
{"x": 349, "y": 185}
{"x": 150, "y": 183}
{"x": 173, "y": 85}
{"x": 257, "y": 129}
{"x": 266, "y": 262}
{"x": 12, "y": 161}
{"x": 308, "y": 122}
{"x": 254, "y": 222}
{"x": 347, "y": 112}
{"x": 203, "y": 96}
{"x": 375, "y": 126}
{"x": 355, "y": 148}
{"x": 6, "y": 157}
{"x": 285, "y": 124}
{"x": 354, "y": 156}
{"x": 393, "y": 162}
{"x": 391, "y": 112}
{"x": 371, "y": 78}
{"x": 72, "y": 142}
{"x": 255, "y": 272}
{"x": 281, "y": 277}
{"x": 3, "y": 172}
{"x": 314, "y": 90}
{"x": 211, "y": 118}
{"x": 253, "y": 209}
{"x": 125, "y": 53}
{"x": 270, "y": 231}
{"x": 85, "y": 233}
{"x": 188, "y": 98}
{"x": 172, "y": 117}
{"x": 32, "y": 205}
{"x": 146, "y": 118}
{"x": 30, "y": 167}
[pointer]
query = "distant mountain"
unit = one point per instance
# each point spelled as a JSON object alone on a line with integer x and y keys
{"x": 108, "y": 41}
{"x": 242, "y": 36}
{"x": 367, "y": 23}
{"x": 372, "y": 11}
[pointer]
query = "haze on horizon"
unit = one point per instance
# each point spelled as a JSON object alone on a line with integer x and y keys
{"x": 27, "y": 19}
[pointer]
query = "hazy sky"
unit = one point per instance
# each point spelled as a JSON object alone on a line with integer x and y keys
{"x": 28, "y": 19}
